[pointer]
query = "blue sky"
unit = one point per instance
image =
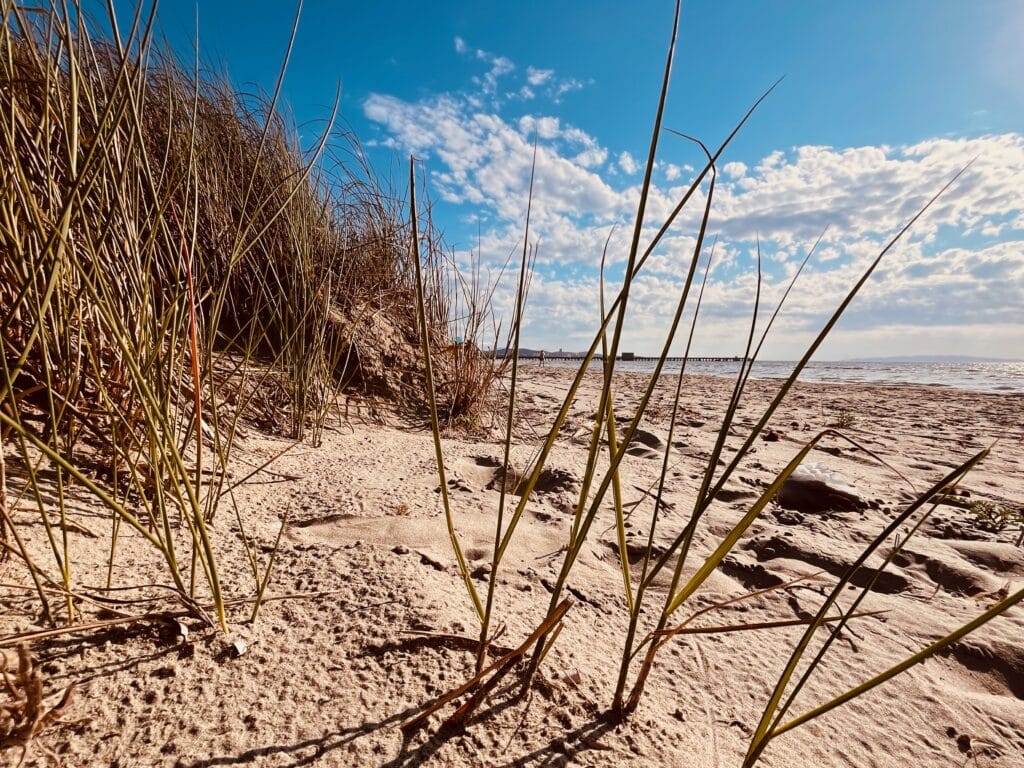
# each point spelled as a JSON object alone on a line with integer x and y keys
{"x": 881, "y": 103}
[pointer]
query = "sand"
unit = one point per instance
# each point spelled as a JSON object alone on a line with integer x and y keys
{"x": 329, "y": 679}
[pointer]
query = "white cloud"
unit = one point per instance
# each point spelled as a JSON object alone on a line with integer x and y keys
{"x": 735, "y": 170}
{"x": 589, "y": 158}
{"x": 537, "y": 81}
{"x": 537, "y": 76}
{"x": 628, "y": 164}
{"x": 563, "y": 87}
{"x": 481, "y": 154}
{"x": 500, "y": 66}
{"x": 546, "y": 127}
{"x": 962, "y": 264}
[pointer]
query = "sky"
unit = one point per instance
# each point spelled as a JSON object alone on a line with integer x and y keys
{"x": 881, "y": 104}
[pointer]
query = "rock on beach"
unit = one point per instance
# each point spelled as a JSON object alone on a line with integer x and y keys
{"x": 814, "y": 488}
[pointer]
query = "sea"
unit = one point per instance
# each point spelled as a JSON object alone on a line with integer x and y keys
{"x": 997, "y": 377}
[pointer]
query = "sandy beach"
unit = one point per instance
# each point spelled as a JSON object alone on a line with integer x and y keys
{"x": 368, "y": 622}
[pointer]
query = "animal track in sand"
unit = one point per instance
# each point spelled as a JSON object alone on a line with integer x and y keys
{"x": 646, "y": 445}
{"x": 1000, "y": 557}
{"x": 552, "y": 480}
{"x": 1013, "y": 733}
{"x": 635, "y": 550}
{"x": 555, "y": 480}
{"x": 748, "y": 571}
{"x": 735, "y": 494}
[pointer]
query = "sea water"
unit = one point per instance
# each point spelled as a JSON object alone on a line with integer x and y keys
{"x": 999, "y": 377}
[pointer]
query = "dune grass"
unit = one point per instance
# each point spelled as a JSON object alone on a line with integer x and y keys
{"x": 640, "y": 648}
{"x": 173, "y": 263}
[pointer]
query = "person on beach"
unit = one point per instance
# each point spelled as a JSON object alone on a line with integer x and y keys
{"x": 541, "y": 358}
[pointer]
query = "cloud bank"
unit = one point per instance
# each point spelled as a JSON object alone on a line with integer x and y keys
{"x": 954, "y": 284}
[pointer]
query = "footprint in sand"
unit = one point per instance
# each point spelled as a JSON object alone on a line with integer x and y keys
{"x": 474, "y": 474}
{"x": 1012, "y": 732}
{"x": 943, "y": 568}
{"x": 997, "y": 665}
{"x": 552, "y": 480}
{"x": 458, "y": 484}
{"x": 830, "y": 555}
{"x": 998, "y": 557}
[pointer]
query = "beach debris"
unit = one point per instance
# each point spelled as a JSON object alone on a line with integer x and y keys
{"x": 182, "y": 630}
{"x": 815, "y": 487}
{"x": 232, "y": 646}
{"x": 241, "y": 647}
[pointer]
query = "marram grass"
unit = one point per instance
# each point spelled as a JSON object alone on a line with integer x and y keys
{"x": 638, "y": 657}
{"x": 173, "y": 264}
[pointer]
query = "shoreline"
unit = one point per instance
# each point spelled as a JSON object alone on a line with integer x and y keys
{"x": 999, "y": 386}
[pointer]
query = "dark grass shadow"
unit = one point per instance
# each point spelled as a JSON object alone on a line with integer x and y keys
{"x": 320, "y": 746}
{"x": 558, "y": 751}
{"x": 565, "y": 749}
{"x": 60, "y": 651}
{"x": 415, "y": 642}
{"x": 416, "y": 746}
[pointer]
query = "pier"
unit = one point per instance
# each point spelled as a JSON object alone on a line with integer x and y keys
{"x": 629, "y": 358}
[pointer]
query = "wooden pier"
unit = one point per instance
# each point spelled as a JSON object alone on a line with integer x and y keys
{"x": 635, "y": 358}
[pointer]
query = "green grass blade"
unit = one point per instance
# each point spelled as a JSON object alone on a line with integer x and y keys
{"x": 772, "y": 710}
{"x": 435, "y": 427}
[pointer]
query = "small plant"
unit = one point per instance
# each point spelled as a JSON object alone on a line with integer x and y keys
{"x": 993, "y": 517}
{"x": 844, "y": 419}
{"x": 23, "y": 713}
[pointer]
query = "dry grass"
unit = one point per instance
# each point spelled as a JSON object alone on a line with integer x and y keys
{"x": 24, "y": 713}
{"x": 174, "y": 263}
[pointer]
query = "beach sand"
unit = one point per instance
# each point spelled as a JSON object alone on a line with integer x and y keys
{"x": 329, "y": 679}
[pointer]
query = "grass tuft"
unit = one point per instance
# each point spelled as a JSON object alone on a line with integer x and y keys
{"x": 174, "y": 263}
{"x": 649, "y": 630}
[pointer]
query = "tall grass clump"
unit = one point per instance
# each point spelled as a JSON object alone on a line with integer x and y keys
{"x": 172, "y": 262}
{"x": 650, "y": 627}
